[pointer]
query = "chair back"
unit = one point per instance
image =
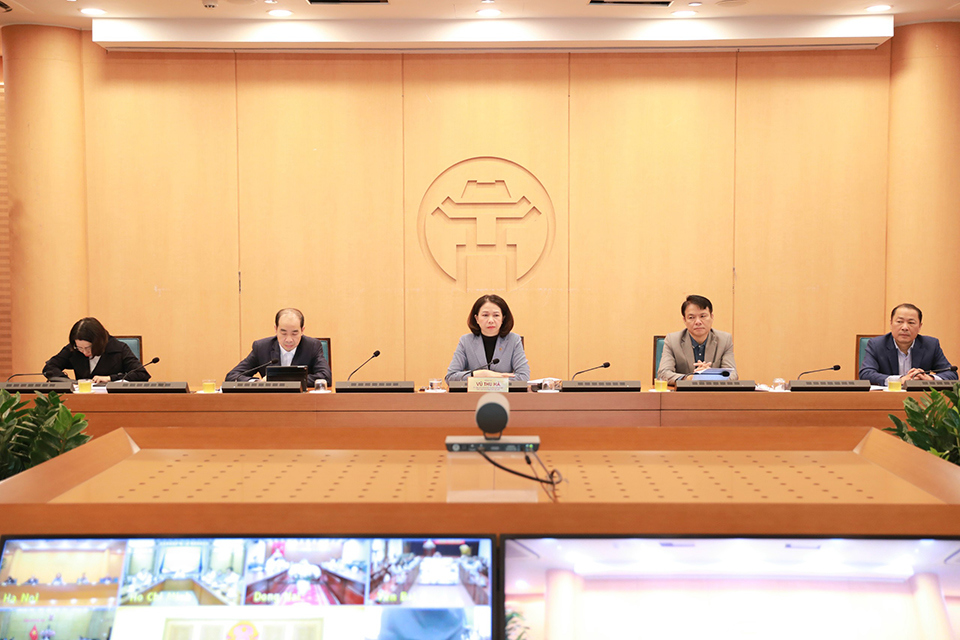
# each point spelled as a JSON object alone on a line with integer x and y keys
{"x": 862, "y": 340}
{"x": 135, "y": 343}
{"x": 657, "y": 353}
{"x": 325, "y": 346}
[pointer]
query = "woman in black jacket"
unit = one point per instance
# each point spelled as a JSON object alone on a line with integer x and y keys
{"x": 94, "y": 354}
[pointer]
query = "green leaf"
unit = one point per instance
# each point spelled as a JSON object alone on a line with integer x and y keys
{"x": 30, "y": 435}
{"x": 933, "y": 423}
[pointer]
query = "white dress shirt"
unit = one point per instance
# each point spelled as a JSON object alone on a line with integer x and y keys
{"x": 905, "y": 361}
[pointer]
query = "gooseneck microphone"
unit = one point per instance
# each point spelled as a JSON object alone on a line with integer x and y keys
{"x": 605, "y": 365}
{"x": 835, "y": 367}
{"x": 375, "y": 354}
{"x": 486, "y": 366}
{"x": 929, "y": 373}
{"x": 143, "y": 366}
{"x": 265, "y": 364}
{"x": 17, "y": 375}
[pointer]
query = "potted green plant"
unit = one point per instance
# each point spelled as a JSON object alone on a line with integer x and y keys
{"x": 516, "y": 625}
{"x": 933, "y": 423}
{"x": 32, "y": 435}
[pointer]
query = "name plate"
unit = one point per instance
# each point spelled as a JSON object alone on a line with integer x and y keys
{"x": 487, "y": 385}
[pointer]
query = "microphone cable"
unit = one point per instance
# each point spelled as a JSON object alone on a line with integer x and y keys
{"x": 553, "y": 478}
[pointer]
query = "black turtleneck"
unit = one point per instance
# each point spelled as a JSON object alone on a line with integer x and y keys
{"x": 489, "y": 345}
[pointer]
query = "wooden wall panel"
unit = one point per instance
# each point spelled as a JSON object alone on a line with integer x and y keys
{"x": 651, "y": 200}
{"x": 923, "y": 227}
{"x": 485, "y": 202}
{"x": 6, "y": 340}
{"x": 810, "y": 208}
{"x": 759, "y": 180}
{"x": 161, "y": 135}
{"x": 46, "y": 149}
{"x": 321, "y": 223}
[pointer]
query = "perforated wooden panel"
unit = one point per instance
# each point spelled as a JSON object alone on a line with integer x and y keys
{"x": 267, "y": 476}
{"x": 243, "y": 476}
{"x": 731, "y": 477}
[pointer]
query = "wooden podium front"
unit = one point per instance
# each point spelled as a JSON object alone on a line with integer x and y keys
{"x": 673, "y": 481}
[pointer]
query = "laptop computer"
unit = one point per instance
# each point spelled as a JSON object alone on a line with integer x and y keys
{"x": 291, "y": 373}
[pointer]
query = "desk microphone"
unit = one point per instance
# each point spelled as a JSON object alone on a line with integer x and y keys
{"x": 605, "y": 365}
{"x": 17, "y": 375}
{"x": 143, "y": 366}
{"x": 929, "y": 373}
{"x": 375, "y": 354}
{"x": 486, "y": 366}
{"x": 254, "y": 370}
{"x": 835, "y": 367}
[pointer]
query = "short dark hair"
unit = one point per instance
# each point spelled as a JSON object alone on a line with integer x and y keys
{"x": 89, "y": 330}
{"x": 700, "y": 301}
{"x": 907, "y": 305}
{"x": 507, "y": 325}
{"x": 288, "y": 310}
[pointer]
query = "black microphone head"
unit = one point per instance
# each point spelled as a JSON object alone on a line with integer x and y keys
{"x": 376, "y": 353}
{"x": 155, "y": 360}
{"x": 836, "y": 367}
{"x": 725, "y": 374}
{"x": 606, "y": 365}
{"x": 274, "y": 361}
{"x": 493, "y": 412}
{"x": 495, "y": 361}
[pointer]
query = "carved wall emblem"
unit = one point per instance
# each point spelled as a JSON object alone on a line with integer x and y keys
{"x": 486, "y": 211}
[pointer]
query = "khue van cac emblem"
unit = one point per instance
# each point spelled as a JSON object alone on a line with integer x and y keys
{"x": 486, "y": 223}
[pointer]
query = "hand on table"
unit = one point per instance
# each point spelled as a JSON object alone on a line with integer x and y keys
{"x": 486, "y": 373}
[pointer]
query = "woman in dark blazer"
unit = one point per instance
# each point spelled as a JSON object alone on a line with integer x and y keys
{"x": 490, "y": 338}
{"x": 94, "y": 354}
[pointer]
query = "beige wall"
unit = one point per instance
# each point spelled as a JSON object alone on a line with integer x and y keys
{"x": 162, "y": 203}
{"x": 6, "y": 342}
{"x": 923, "y": 225}
{"x": 651, "y": 199}
{"x": 220, "y": 187}
{"x": 811, "y": 170}
{"x": 738, "y": 608}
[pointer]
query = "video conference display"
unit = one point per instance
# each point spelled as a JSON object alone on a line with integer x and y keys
{"x": 731, "y": 588}
{"x": 246, "y": 589}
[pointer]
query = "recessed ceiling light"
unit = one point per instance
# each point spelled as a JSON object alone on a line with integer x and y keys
{"x": 695, "y": 4}
{"x": 486, "y": 1}
{"x": 271, "y": 1}
{"x": 684, "y": 14}
{"x": 280, "y": 13}
{"x": 877, "y": 8}
{"x": 92, "y": 12}
{"x": 488, "y": 13}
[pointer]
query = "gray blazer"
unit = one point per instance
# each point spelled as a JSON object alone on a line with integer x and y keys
{"x": 677, "y": 359}
{"x": 470, "y": 355}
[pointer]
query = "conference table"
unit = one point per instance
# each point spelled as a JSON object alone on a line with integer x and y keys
{"x": 593, "y": 420}
{"x": 351, "y": 464}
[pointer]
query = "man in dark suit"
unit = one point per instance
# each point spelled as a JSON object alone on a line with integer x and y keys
{"x": 904, "y": 353}
{"x": 288, "y": 347}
